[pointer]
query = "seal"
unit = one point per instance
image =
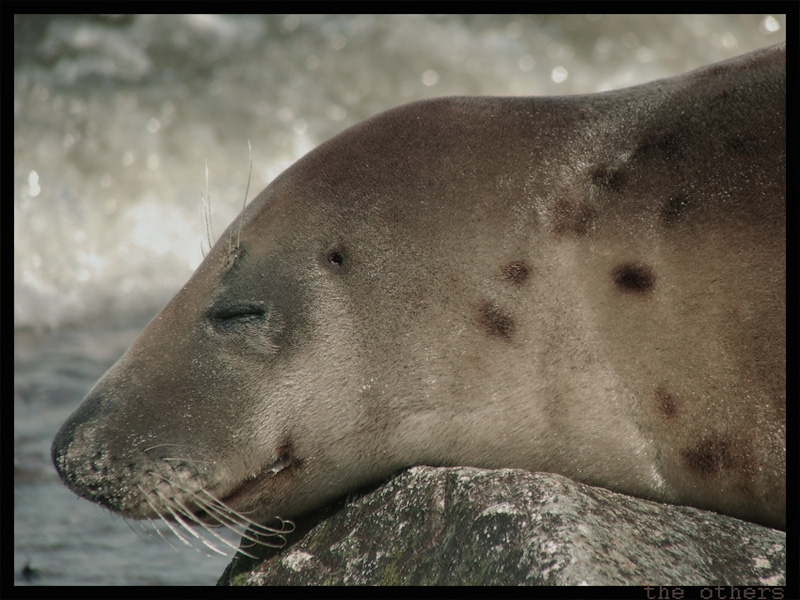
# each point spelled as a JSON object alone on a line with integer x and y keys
{"x": 587, "y": 285}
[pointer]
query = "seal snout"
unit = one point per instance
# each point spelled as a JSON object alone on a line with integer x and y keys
{"x": 72, "y": 458}
{"x": 84, "y": 466}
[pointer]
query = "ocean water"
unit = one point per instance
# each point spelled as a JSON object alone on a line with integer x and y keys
{"x": 115, "y": 120}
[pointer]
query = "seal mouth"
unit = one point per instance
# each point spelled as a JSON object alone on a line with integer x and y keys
{"x": 199, "y": 511}
{"x": 256, "y": 484}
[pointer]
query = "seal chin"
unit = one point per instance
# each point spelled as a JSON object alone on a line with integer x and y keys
{"x": 256, "y": 486}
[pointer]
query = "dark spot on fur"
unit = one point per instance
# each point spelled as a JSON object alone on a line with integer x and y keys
{"x": 730, "y": 456}
{"x": 608, "y": 179}
{"x": 660, "y": 145}
{"x": 715, "y": 453}
{"x": 516, "y": 272}
{"x": 495, "y": 321}
{"x": 572, "y": 217}
{"x": 335, "y": 258}
{"x": 674, "y": 209}
{"x": 741, "y": 145}
{"x": 708, "y": 457}
{"x": 667, "y": 403}
{"x": 631, "y": 277}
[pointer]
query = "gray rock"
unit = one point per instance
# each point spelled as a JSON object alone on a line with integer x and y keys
{"x": 506, "y": 527}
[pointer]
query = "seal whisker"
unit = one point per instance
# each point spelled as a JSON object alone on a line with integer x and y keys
{"x": 170, "y": 459}
{"x": 234, "y": 250}
{"x": 207, "y": 212}
{"x": 183, "y": 460}
{"x": 172, "y": 528}
{"x": 208, "y": 529}
{"x": 154, "y": 525}
{"x": 238, "y": 527}
{"x": 224, "y": 515}
{"x": 149, "y": 448}
{"x": 231, "y": 518}
{"x": 141, "y": 530}
{"x": 261, "y": 528}
{"x": 246, "y": 192}
{"x": 176, "y": 514}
